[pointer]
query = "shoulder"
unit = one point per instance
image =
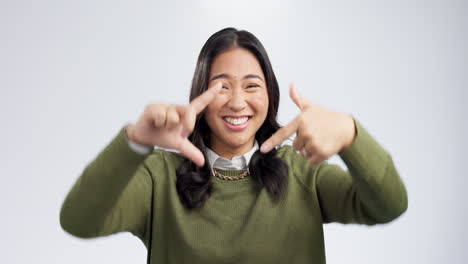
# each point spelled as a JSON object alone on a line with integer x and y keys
{"x": 163, "y": 160}
{"x": 295, "y": 161}
{"x": 299, "y": 168}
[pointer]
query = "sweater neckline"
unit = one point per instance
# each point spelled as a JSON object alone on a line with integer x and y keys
{"x": 242, "y": 181}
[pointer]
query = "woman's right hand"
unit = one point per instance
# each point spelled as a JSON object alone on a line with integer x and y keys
{"x": 168, "y": 126}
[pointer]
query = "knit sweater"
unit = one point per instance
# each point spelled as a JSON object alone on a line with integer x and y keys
{"x": 238, "y": 223}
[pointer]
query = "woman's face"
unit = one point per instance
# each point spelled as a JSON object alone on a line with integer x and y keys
{"x": 241, "y": 106}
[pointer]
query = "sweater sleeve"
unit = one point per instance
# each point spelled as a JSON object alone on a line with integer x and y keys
{"x": 112, "y": 195}
{"x": 370, "y": 192}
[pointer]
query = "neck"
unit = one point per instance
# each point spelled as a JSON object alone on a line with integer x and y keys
{"x": 228, "y": 152}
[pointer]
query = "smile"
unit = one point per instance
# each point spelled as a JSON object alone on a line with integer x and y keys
{"x": 236, "y": 123}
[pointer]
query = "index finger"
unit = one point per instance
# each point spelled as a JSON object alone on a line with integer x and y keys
{"x": 281, "y": 135}
{"x": 200, "y": 102}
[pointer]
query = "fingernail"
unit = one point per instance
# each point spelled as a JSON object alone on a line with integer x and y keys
{"x": 264, "y": 148}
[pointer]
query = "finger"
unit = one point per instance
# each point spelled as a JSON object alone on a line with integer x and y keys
{"x": 316, "y": 158}
{"x": 205, "y": 98}
{"x": 300, "y": 101}
{"x": 159, "y": 115}
{"x": 188, "y": 150}
{"x": 189, "y": 119}
{"x": 172, "y": 117}
{"x": 308, "y": 150}
{"x": 281, "y": 135}
{"x": 298, "y": 143}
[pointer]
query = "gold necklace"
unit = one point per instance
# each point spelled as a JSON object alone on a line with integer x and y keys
{"x": 218, "y": 174}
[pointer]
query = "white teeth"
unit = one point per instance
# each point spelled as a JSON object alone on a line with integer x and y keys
{"x": 236, "y": 121}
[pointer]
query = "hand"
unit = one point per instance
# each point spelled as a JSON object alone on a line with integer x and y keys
{"x": 168, "y": 126}
{"x": 321, "y": 133}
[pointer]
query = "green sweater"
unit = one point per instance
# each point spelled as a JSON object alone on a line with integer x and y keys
{"x": 238, "y": 223}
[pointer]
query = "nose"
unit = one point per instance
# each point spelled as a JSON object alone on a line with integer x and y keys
{"x": 237, "y": 100}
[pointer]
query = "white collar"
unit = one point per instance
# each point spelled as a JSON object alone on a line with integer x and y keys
{"x": 236, "y": 163}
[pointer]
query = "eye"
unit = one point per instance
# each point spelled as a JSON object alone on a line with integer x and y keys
{"x": 253, "y": 85}
{"x": 225, "y": 86}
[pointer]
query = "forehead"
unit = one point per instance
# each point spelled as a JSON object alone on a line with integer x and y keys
{"x": 237, "y": 63}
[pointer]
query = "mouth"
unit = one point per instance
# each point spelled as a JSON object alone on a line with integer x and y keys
{"x": 236, "y": 123}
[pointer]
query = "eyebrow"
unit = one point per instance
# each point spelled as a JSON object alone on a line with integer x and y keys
{"x": 225, "y": 75}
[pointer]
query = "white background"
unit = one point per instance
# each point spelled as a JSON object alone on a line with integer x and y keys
{"x": 72, "y": 73}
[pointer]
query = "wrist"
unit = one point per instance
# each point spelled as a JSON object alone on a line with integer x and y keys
{"x": 129, "y": 132}
{"x": 134, "y": 145}
{"x": 350, "y": 134}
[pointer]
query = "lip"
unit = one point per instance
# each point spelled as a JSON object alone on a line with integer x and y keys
{"x": 237, "y": 127}
{"x": 237, "y": 116}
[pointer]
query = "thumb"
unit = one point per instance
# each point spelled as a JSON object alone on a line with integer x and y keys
{"x": 188, "y": 150}
{"x": 297, "y": 99}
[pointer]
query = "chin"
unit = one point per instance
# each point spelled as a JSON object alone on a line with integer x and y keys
{"x": 236, "y": 142}
{"x": 233, "y": 142}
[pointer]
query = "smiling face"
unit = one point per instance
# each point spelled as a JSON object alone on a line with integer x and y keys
{"x": 241, "y": 106}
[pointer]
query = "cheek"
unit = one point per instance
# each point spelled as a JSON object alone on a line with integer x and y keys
{"x": 212, "y": 110}
{"x": 260, "y": 102}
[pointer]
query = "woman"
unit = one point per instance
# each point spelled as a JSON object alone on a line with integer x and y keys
{"x": 231, "y": 194}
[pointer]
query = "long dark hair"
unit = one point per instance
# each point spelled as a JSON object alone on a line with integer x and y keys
{"x": 194, "y": 184}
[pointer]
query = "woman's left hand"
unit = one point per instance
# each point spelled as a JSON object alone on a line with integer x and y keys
{"x": 321, "y": 133}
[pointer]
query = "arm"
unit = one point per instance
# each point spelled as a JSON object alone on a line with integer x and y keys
{"x": 112, "y": 195}
{"x": 114, "y": 192}
{"x": 370, "y": 192}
